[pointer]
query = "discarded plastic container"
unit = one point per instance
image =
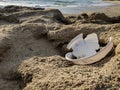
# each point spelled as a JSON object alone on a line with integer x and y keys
{"x": 85, "y": 49}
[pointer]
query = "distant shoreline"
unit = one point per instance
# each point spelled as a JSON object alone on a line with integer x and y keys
{"x": 113, "y": 2}
{"x": 78, "y": 9}
{"x": 112, "y": 10}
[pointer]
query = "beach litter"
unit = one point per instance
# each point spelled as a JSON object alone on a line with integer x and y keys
{"x": 87, "y": 50}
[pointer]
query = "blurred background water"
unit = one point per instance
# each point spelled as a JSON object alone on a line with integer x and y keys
{"x": 66, "y": 6}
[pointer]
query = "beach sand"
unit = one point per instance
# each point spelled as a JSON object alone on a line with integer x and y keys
{"x": 33, "y": 45}
{"x": 114, "y": 2}
{"x": 111, "y": 11}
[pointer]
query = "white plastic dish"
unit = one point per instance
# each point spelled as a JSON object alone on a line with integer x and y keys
{"x": 89, "y": 59}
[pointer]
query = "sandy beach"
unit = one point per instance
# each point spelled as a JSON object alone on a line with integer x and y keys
{"x": 33, "y": 45}
{"x": 114, "y": 1}
{"x": 112, "y": 10}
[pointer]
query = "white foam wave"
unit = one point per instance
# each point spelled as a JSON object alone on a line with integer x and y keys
{"x": 63, "y": 5}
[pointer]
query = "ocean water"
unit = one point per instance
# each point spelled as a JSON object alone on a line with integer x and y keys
{"x": 66, "y": 6}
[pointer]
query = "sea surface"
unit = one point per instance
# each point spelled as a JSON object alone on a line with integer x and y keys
{"x": 65, "y": 6}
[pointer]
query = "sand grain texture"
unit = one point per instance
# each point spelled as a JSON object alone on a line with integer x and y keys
{"x": 32, "y": 50}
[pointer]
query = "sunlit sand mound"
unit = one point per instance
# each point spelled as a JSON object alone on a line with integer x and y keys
{"x": 32, "y": 50}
